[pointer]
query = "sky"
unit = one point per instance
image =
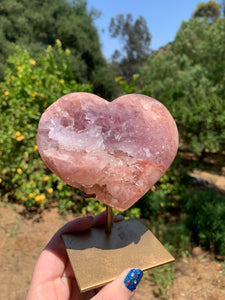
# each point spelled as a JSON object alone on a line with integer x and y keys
{"x": 163, "y": 18}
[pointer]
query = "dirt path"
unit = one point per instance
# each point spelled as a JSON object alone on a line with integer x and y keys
{"x": 212, "y": 170}
{"x": 212, "y": 179}
{"x": 197, "y": 278}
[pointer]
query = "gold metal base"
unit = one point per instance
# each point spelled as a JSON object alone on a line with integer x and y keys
{"x": 98, "y": 258}
{"x": 108, "y": 219}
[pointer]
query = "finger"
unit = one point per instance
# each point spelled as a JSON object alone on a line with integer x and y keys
{"x": 77, "y": 225}
{"x": 56, "y": 244}
{"x": 123, "y": 287}
{"x": 100, "y": 219}
{"x": 118, "y": 218}
{"x": 54, "y": 254}
{"x": 53, "y": 261}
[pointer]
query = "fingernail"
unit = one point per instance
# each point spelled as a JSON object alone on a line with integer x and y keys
{"x": 132, "y": 279}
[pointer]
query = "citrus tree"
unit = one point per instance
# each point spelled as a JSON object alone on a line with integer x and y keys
{"x": 30, "y": 86}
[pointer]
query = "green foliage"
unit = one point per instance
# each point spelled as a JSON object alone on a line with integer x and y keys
{"x": 223, "y": 268}
{"x": 133, "y": 212}
{"x": 104, "y": 84}
{"x": 167, "y": 192}
{"x": 210, "y": 10}
{"x": 128, "y": 88}
{"x": 164, "y": 277}
{"x": 29, "y": 87}
{"x": 34, "y": 24}
{"x": 175, "y": 180}
{"x": 188, "y": 77}
{"x": 177, "y": 236}
{"x": 158, "y": 76}
{"x": 152, "y": 203}
{"x": 205, "y": 218}
{"x": 186, "y": 87}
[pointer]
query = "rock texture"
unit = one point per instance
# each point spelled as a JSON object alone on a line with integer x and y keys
{"x": 115, "y": 150}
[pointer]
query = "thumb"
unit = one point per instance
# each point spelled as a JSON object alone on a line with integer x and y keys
{"x": 122, "y": 288}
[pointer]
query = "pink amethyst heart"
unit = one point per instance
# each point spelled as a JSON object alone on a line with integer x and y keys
{"x": 115, "y": 150}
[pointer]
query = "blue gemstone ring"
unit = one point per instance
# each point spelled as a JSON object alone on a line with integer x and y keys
{"x": 132, "y": 279}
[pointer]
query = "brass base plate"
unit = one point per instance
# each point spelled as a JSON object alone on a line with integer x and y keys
{"x": 98, "y": 258}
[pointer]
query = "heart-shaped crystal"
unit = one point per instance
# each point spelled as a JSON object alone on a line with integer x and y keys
{"x": 115, "y": 150}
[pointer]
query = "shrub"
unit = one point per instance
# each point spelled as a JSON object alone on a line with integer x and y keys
{"x": 128, "y": 88}
{"x": 29, "y": 87}
{"x": 188, "y": 77}
{"x": 167, "y": 192}
{"x": 164, "y": 277}
{"x": 205, "y": 218}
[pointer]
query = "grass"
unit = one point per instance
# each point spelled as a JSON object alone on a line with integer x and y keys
{"x": 223, "y": 268}
{"x": 14, "y": 231}
{"x": 164, "y": 277}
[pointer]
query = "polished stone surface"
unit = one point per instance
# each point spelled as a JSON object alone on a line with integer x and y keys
{"x": 116, "y": 150}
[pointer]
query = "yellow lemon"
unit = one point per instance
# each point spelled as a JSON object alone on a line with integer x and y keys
{"x": 33, "y": 62}
{"x": 40, "y": 198}
{"x": 19, "y": 171}
{"x": 46, "y": 178}
{"x": 50, "y": 190}
{"x": 20, "y": 138}
{"x": 31, "y": 195}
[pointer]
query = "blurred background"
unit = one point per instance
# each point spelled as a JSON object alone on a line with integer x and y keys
{"x": 172, "y": 51}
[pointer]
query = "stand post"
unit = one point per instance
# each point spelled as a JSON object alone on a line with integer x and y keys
{"x": 108, "y": 219}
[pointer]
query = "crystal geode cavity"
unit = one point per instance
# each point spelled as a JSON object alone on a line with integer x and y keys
{"x": 115, "y": 150}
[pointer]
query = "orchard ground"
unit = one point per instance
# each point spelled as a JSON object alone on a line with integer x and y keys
{"x": 201, "y": 276}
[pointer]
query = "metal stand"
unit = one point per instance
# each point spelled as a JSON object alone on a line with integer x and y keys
{"x": 108, "y": 219}
{"x": 98, "y": 258}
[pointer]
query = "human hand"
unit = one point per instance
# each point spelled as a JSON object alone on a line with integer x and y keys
{"x": 53, "y": 276}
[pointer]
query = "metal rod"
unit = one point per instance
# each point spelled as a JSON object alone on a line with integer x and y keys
{"x": 108, "y": 219}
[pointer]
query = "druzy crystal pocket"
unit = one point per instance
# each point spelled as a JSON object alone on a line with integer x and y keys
{"x": 115, "y": 150}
